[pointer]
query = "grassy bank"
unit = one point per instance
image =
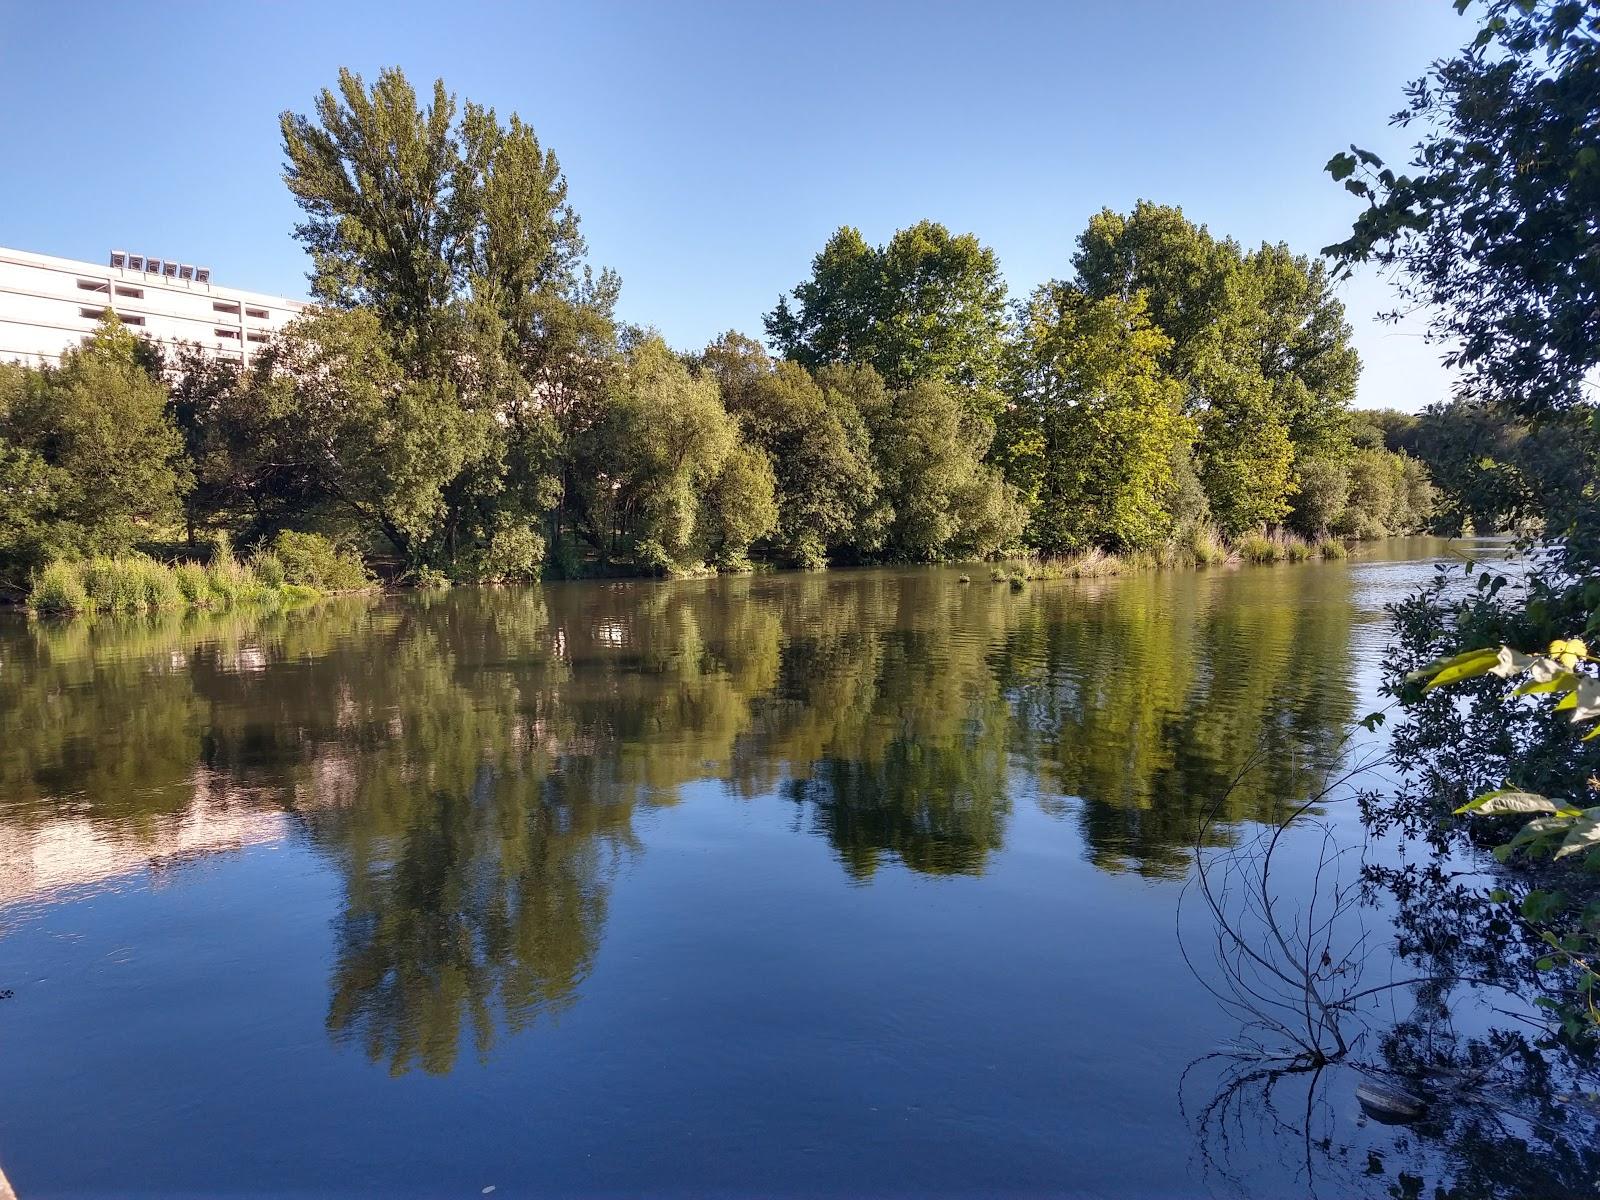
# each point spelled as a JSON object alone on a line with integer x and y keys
{"x": 1202, "y": 549}
{"x": 296, "y": 568}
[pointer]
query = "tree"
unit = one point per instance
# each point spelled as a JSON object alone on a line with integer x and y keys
{"x": 459, "y": 236}
{"x": 1322, "y": 491}
{"x": 929, "y": 305}
{"x": 1495, "y": 231}
{"x": 1096, "y": 424}
{"x": 381, "y": 445}
{"x": 940, "y": 498}
{"x": 654, "y": 468}
{"x": 92, "y": 460}
{"x": 1258, "y": 340}
{"x": 816, "y": 441}
{"x": 1494, "y": 227}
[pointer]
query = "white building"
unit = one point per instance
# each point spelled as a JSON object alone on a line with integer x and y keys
{"x": 50, "y": 304}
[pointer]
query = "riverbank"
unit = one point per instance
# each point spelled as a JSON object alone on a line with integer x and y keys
{"x": 295, "y": 568}
{"x": 1204, "y": 551}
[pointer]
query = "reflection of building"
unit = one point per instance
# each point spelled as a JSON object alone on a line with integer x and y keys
{"x": 49, "y": 304}
{"x": 43, "y": 860}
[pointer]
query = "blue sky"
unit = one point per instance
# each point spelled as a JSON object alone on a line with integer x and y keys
{"x": 711, "y": 148}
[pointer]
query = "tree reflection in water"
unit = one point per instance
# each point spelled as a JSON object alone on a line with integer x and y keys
{"x": 472, "y": 761}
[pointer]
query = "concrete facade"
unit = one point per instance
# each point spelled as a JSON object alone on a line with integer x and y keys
{"x": 49, "y": 304}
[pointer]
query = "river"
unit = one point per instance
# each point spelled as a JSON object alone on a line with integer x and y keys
{"x": 850, "y": 883}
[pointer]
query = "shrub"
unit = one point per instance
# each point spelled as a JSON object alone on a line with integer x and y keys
{"x": 159, "y": 585}
{"x": 192, "y": 584}
{"x": 268, "y": 568}
{"x": 1258, "y": 548}
{"x": 59, "y": 589}
{"x": 1205, "y": 545}
{"x": 1332, "y": 548}
{"x": 313, "y": 561}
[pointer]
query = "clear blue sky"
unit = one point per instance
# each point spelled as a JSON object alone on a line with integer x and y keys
{"x": 712, "y": 147}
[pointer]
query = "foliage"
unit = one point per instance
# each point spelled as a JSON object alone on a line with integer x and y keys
{"x": 1095, "y": 424}
{"x": 136, "y": 583}
{"x": 653, "y": 470}
{"x": 457, "y": 237}
{"x": 90, "y": 459}
{"x": 929, "y": 305}
{"x": 1492, "y": 233}
{"x": 941, "y": 499}
{"x": 1257, "y": 339}
{"x": 814, "y": 439}
{"x": 1492, "y": 230}
{"x": 311, "y": 560}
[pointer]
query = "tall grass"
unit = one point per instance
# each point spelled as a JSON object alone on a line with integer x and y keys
{"x": 1201, "y": 546}
{"x": 136, "y": 583}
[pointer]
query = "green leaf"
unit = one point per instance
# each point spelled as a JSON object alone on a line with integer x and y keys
{"x": 1469, "y": 665}
{"x": 1508, "y": 800}
{"x": 1340, "y": 166}
{"x": 1584, "y": 834}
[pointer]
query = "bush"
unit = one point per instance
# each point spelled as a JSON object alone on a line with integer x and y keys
{"x": 1257, "y": 548}
{"x": 311, "y": 560}
{"x": 59, "y": 589}
{"x": 268, "y": 568}
{"x": 1205, "y": 545}
{"x": 159, "y": 584}
{"x": 1332, "y": 548}
{"x": 192, "y": 583}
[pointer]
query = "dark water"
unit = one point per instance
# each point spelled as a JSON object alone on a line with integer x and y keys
{"x": 847, "y": 883}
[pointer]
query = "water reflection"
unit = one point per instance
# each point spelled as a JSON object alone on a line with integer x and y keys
{"x": 471, "y": 763}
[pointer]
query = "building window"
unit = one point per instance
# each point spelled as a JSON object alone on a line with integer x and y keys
{"x": 256, "y": 312}
{"x": 227, "y": 333}
{"x": 223, "y": 306}
{"x": 131, "y": 293}
{"x": 91, "y": 285}
{"x": 97, "y": 314}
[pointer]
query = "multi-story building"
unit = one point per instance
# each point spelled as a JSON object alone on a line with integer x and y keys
{"x": 50, "y": 304}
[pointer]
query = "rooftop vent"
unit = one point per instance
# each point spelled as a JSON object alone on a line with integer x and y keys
{"x": 170, "y": 269}
{"x": 119, "y": 258}
{"x": 202, "y": 274}
{"x": 186, "y": 272}
{"x": 153, "y": 265}
{"x": 135, "y": 262}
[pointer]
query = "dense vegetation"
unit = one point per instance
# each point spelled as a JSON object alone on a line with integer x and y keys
{"x": 1495, "y": 230}
{"x": 463, "y": 402}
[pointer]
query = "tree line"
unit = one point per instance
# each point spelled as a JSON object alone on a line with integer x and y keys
{"x": 463, "y": 400}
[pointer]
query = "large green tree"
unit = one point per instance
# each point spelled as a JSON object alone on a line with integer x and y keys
{"x": 457, "y": 233}
{"x": 90, "y": 456}
{"x": 938, "y": 496}
{"x": 815, "y": 438}
{"x": 1096, "y": 423}
{"x": 1257, "y": 338}
{"x": 378, "y": 443}
{"x": 1493, "y": 225}
{"x": 928, "y": 305}
{"x": 667, "y": 483}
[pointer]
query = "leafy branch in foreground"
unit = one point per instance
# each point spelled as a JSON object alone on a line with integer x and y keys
{"x": 1559, "y": 827}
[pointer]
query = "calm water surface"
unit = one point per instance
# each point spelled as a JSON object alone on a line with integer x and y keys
{"x": 849, "y": 883}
